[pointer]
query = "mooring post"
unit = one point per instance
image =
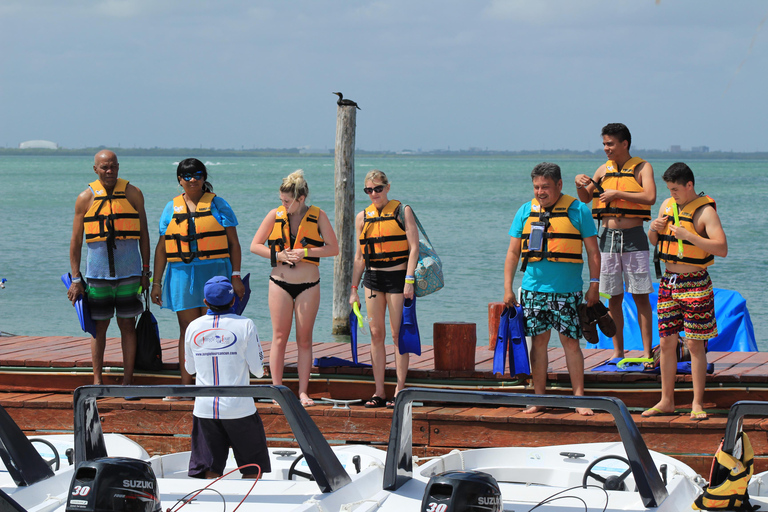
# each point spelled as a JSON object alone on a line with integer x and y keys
{"x": 344, "y": 213}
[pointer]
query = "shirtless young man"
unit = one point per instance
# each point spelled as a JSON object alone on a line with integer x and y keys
{"x": 622, "y": 192}
{"x": 686, "y": 298}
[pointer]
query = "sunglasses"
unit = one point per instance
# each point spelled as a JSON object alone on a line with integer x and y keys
{"x": 378, "y": 189}
{"x": 188, "y": 177}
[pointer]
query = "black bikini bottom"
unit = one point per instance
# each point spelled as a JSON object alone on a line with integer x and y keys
{"x": 294, "y": 289}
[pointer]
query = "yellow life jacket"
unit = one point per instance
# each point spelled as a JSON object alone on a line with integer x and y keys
{"x": 727, "y": 489}
{"x": 667, "y": 245}
{"x": 111, "y": 216}
{"x": 382, "y": 239}
{"x": 308, "y": 234}
{"x": 562, "y": 241}
{"x": 211, "y": 237}
{"x": 625, "y": 181}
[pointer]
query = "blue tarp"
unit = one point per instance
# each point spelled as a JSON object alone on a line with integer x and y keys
{"x": 733, "y": 324}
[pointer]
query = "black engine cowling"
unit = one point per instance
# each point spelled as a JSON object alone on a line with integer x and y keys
{"x": 115, "y": 484}
{"x": 462, "y": 491}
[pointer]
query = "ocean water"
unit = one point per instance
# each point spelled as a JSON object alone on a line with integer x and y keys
{"x": 465, "y": 204}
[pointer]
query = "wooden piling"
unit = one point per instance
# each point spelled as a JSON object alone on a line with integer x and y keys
{"x": 344, "y": 213}
{"x": 455, "y": 344}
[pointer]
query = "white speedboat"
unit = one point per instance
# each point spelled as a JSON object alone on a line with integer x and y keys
{"x": 591, "y": 476}
{"x": 313, "y": 477}
{"x": 36, "y": 471}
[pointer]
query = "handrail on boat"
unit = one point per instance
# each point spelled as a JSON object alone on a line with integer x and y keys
{"x": 322, "y": 461}
{"x": 21, "y": 459}
{"x": 736, "y": 415}
{"x": 399, "y": 463}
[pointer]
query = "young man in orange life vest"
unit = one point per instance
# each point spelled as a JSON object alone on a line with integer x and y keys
{"x": 110, "y": 213}
{"x": 687, "y": 246}
{"x": 622, "y": 192}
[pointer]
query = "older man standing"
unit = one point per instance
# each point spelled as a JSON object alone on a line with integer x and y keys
{"x": 550, "y": 233}
{"x": 110, "y": 213}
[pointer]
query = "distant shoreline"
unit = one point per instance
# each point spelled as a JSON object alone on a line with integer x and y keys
{"x": 461, "y": 153}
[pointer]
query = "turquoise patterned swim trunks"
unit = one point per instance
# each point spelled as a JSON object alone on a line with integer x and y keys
{"x": 545, "y": 311}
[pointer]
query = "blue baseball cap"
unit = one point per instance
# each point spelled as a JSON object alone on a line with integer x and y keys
{"x": 219, "y": 291}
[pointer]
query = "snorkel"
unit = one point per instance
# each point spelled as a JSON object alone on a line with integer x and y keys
{"x": 677, "y": 223}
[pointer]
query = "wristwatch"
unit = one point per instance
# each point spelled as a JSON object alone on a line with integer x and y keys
{"x": 146, "y": 273}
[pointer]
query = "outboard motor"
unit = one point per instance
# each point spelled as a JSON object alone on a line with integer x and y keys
{"x": 115, "y": 484}
{"x": 462, "y": 491}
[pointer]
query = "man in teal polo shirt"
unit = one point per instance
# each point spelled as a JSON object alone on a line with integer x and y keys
{"x": 549, "y": 234}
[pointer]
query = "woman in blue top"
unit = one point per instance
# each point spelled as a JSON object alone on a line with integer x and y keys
{"x": 198, "y": 241}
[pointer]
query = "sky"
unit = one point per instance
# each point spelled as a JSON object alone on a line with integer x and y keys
{"x": 432, "y": 74}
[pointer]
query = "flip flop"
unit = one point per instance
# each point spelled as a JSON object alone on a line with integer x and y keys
{"x": 698, "y": 415}
{"x": 657, "y": 412}
{"x": 390, "y": 404}
{"x": 307, "y": 402}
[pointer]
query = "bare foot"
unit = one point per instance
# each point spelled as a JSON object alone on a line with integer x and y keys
{"x": 584, "y": 411}
{"x": 533, "y": 409}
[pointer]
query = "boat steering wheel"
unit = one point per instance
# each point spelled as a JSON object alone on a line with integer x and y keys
{"x": 55, "y": 461}
{"x": 293, "y": 471}
{"x": 610, "y": 483}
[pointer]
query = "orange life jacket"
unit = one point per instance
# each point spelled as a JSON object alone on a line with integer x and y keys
{"x": 562, "y": 241}
{"x": 667, "y": 244}
{"x": 111, "y": 216}
{"x": 625, "y": 181}
{"x": 308, "y": 234}
{"x": 382, "y": 239}
{"x": 211, "y": 237}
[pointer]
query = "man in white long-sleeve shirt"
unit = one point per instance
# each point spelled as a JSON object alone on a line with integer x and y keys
{"x": 221, "y": 347}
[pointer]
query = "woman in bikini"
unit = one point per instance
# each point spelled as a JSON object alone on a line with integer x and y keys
{"x": 388, "y": 251}
{"x": 294, "y": 237}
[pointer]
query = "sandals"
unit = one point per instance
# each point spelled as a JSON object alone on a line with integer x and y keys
{"x": 604, "y": 320}
{"x": 391, "y": 404}
{"x": 588, "y": 323}
{"x": 593, "y": 317}
{"x": 375, "y": 402}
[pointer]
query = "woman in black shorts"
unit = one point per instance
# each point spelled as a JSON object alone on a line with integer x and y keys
{"x": 388, "y": 251}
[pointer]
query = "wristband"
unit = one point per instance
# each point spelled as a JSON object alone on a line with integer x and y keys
{"x": 145, "y": 266}
{"x": 654, "y": 230}
{"x": 594, "y": 280}
{"x": 235, "y": 273}
{"x": 409, "y": 281}
{"x": 77, "y": 279}
{"x": 306, "y": 252}
{"x": 410, "y": 277}
{"x": 159, "y": 285}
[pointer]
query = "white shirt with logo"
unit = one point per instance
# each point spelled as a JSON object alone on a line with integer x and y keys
{"x": 220, "y": 350}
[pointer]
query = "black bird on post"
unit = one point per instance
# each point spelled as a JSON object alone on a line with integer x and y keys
{"x": 343, "y": 102}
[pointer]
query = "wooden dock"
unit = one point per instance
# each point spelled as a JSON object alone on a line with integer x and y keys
{"x": 39, "y": 374}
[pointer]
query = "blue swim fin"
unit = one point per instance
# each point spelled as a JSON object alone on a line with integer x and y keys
{"x": 409, "y": 340}
{"x": 353, "y": 335}
{"x": 241, "y": 303}
{"x": 500, "y": 351}
{"x": 81, "y": 307}
{"x": 519, "y": 363}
